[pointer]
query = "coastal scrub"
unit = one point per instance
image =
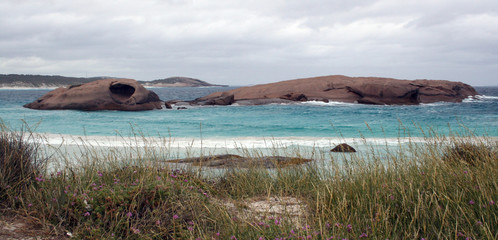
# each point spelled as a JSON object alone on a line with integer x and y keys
{"x": 412, "y": 192}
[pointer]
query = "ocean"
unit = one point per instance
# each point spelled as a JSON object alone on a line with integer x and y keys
{"x": 311, "y": 124}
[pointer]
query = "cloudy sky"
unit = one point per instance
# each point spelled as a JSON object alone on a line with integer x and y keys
{"x": 242, "y": 42}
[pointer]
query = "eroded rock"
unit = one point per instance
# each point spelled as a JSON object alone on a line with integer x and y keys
{"x": 107, "y": 94}
{"x": 366, "y": 90}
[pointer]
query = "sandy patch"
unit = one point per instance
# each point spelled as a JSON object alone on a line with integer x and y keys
{"x": 282, "y": 209}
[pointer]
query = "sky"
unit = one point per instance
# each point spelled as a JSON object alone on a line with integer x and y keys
{"x": 246, "y": 42}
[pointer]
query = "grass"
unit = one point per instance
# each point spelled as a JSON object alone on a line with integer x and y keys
{"x": 19, "y": 162}
{"x": 433, "y": 190}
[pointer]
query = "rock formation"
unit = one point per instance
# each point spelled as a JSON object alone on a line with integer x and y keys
{"x": 107, "y": 94}
{"x": 231, "y": 160}
{"x": 366, "y": 90}
{"x": 343, "y": 147}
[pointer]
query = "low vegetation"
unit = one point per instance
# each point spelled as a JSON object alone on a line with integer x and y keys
{"x": 419, "y": 191}
{"x": 19, "y": 162}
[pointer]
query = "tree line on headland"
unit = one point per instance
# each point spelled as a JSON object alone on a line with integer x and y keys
{"x": 42, "y": 81}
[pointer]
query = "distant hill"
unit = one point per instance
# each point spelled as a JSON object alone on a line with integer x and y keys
{"x": 178, "y": 82}
{"x": 41, "y": 81}
{"x": 46, "y": 81}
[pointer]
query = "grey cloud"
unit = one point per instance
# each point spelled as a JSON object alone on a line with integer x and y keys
{"x": 247, "y": 42}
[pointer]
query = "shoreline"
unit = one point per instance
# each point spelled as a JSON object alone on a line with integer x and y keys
{"x": 60, "y": 146}
{"x": 216, "y": 142}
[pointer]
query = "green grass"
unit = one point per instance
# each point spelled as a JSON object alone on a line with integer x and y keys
{"x": 418, "y": 191}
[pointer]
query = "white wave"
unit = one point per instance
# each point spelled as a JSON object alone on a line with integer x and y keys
{"x": 486, "y": 97}
{"x": 225, "y": 142}
{"x": 480, "y": 98}
{"x": 330, "y": 103}
{"x": 436, "y": 104}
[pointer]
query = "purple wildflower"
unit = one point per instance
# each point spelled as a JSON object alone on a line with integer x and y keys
{"x": 471, "y": 202}
{"x": 99, "y": 173}
{"x": 86, "y": 214}
{"x": 491, "y": 202}
{"x": 129, "y": 214}
{"x": 190, "y": 229}
{"x": 350, "y": 228}
{"x": 175, "y": 217}
{"x": 363, "y": 235}
{"x": 135, "y": 230}
{"x": 158, "y": 222}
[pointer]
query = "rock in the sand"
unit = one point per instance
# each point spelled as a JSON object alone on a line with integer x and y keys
{"x": 343, "y": 147}
{"x": 106, "y": 94}
{"x": 230, "y": 160}
{"x": 366, "y": 90}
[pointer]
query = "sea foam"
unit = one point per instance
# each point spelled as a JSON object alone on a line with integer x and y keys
{"x": 228, "y": 143}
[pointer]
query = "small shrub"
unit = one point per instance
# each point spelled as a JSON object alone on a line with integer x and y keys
{"x": 470, "y": 153}
{"x": 19, "y": 163}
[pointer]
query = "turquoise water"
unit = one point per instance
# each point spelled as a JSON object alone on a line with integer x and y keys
{"x": 296, "y": 120}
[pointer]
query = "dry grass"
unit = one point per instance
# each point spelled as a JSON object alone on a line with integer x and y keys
{"x": 411, "y": 192}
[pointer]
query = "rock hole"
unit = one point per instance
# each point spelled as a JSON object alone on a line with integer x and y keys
{"x": 121, "y": 92}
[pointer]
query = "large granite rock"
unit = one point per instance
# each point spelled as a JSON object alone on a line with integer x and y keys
{"x": 223, "y": 99}
{"x": 107, "y": 94}
{"x": 366, "y": 90}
